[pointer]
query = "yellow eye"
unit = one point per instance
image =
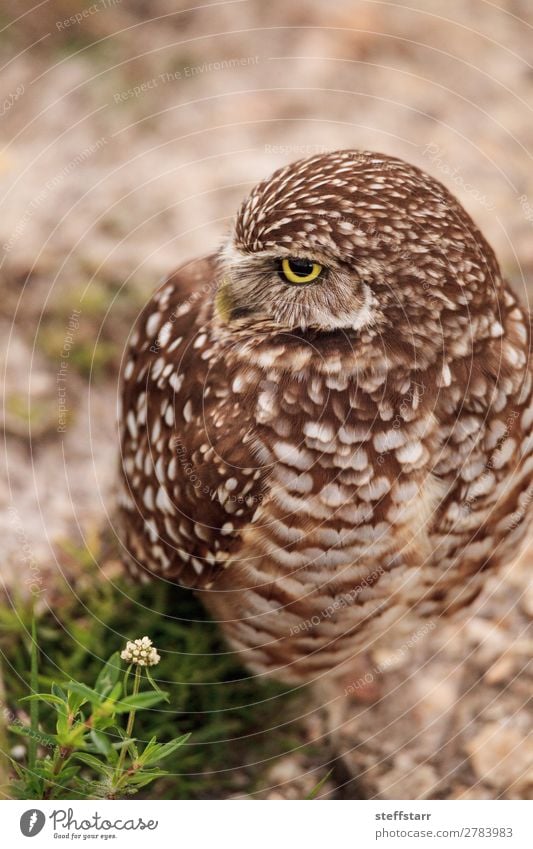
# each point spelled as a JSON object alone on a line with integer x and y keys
{"x": 300, "y": 270}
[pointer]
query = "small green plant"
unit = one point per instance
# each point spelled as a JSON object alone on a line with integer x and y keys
{"x": 91, "y": 754}
{"x": 239, "y": 724}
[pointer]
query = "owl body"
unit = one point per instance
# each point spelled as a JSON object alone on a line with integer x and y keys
{"x": 325, "y": 457}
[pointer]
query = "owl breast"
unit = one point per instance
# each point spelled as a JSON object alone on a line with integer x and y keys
{"x": 340, "y": 539}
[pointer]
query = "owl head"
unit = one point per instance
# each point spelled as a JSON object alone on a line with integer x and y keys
{"x": 354, "y": 242}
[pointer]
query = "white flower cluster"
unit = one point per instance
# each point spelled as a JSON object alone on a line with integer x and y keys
{"x": 141, "y": 651}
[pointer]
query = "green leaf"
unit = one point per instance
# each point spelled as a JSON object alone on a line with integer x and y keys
{"x": 74, "y": 702}
{"x": 318, "y": 787}
{"x": 95, "y": 764}
{"x": 37, "y": 736}
{"x": 109, "y": 704}
{"x": 88, "y": 694}
{"x": 149, "y": 753}
{"x": 45, "y": 697}
{"x": 163, "y": 751}
{"x": 102, "y": 744}
{"x": 74, "y": 737}
{"x": 139, "y": 702}
{"x": 154, "y": 684}
{"x": 57, "y": 691}
{"x": 109, "y": 675}
{"x": 101, "y": 722}
{"x": 141, "y": 779}
{"x": 121, "y": 732}
{"x": 62, "y": 728}
{"x": 68, "y": 773}
{"x": 126, "y": 677}
{"x": 116, "y": 692}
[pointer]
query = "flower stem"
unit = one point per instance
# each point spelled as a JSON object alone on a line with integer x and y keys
{"x": 34, "y": 687}
{"x": 129, "y": 726}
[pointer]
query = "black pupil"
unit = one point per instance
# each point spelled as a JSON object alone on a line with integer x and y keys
{"x": 301, "y": 267}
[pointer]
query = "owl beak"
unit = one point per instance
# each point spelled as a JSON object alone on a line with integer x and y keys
{"x": 227, "y": 309}
{"x": 223, "y": 301}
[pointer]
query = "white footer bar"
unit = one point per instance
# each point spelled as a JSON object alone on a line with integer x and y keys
{"x": 275, "y": 825}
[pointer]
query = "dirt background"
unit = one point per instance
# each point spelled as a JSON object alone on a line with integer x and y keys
{"x": 128, "y": 136}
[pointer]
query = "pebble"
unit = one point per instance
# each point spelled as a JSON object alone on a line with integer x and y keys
{"x": 408, "y": 780}
{"x": 502, "y": 757}
{"x": 526, "y": 602}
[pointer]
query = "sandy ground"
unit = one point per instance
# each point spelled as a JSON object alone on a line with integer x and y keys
{"x": 128, "y": 137}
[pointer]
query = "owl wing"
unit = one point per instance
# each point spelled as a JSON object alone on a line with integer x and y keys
{"x": 191, "y": 483}
{"x": 485, "y": 461}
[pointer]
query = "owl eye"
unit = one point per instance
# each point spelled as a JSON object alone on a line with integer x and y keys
{"x": 299, "y": 270}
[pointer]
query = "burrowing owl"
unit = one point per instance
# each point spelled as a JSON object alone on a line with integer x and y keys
{"x": 327, "y": 423}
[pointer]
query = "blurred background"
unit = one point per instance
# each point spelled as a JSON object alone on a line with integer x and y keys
{"x": 129, "y": 133}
